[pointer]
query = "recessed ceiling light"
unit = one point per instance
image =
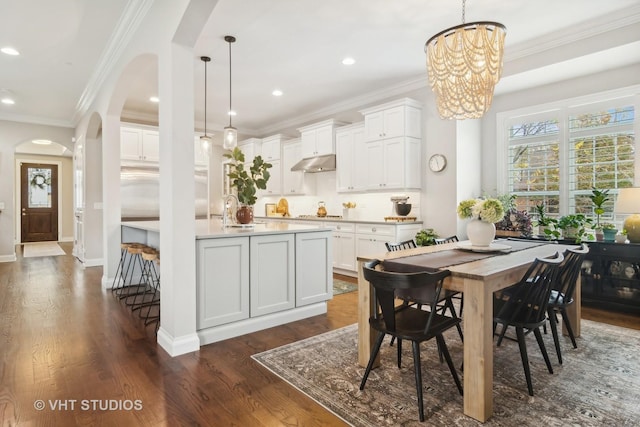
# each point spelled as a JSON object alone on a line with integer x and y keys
{"x": 9, "y": 51}
{"x": 41, "y": 141}
{"x": 231, "y": 113}
{"x": 348, "y": 61}
{"x": 276, "y": 92}
{"x": 8, "y": 101}
{"x": 154, "y": 99}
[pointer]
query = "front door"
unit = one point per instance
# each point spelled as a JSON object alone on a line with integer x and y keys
{"x": 39, "y": 205}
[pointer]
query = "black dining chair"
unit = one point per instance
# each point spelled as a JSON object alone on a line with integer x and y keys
{"x": 562, "y": 294}
{"x": 443, "y": 240}
{"x": 524, "y": 306}
{"x": 408, "y": 322}
{"x": 456, "y": 295}
{"x": 445, "y": 304}
{"x": 407, "y": 244}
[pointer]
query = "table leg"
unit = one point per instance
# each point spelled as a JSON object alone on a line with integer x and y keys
{"x": 366, "y": 336}
{"x": 478, "y": 350}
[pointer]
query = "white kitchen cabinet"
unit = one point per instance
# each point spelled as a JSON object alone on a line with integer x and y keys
{"x": 392, "y": 164}
{"x": 272, "y": 273}
{"x": 344, "y": 245}
{"x": 314, "y": 275}
{"x": 274, "y": 185}
{"x": 318, "y": 139}
{"x": 271, "y": 148}
{"x": 250, "y": 148}
{"x": 393, "y": 119}
{"x": 222, "y": 281}
{"x": 292, "y": 181}
{"x": 371, "y": 238}
{"x": 351, "y": 170}
{"x": 139, "y": 144}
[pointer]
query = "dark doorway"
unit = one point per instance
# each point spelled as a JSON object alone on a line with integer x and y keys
{"x": 39, "y": 202}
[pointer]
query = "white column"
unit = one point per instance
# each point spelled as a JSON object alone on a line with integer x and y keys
{"x": 111, "y": 197}
{"x": 177, "y": 334}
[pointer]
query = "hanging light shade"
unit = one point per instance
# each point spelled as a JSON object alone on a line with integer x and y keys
{"x": 464, "y": 64}
{"x": 205, "y": 140}
{"x": 230, "y": 137}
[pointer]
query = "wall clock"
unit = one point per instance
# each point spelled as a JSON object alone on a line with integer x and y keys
{"x": 437, "y": 162}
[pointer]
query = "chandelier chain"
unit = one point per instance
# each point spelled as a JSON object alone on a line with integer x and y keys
{"x": 464, "y": 2}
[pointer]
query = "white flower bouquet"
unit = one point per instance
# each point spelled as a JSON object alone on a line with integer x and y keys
{"x": 487, "y": 210}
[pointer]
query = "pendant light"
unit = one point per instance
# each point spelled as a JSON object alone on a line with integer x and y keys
{"x": 230, "y": 139}
{"x": 205, "y": 140}
{"x": 464, "y": 65}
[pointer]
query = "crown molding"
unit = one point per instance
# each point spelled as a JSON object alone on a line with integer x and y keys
{"x": 594, "y": 27}
{"x": 349, "y": 105}
{"x": 124, "y": 31}
{"x": 36, "y": 120}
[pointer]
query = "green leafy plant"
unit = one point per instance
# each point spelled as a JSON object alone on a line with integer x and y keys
{"x": 247, "y": 182}
{"x": 543, "y": 219}
{"x": 599, "y": 198}
{"x": 574, "y": 226}
{"x": 426, "y": 237}
{"x": 608, "y": 226}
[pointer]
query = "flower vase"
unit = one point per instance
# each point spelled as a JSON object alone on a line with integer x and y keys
{"x": 481, "y": 233}
{"x": 244, "y": 215}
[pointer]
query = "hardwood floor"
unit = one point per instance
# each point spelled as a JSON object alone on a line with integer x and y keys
{"x": 66, "y": 342}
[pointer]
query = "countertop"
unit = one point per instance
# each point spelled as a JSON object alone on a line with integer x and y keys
{"x": 330, "y": 219}
{"x": 213, "y": 228}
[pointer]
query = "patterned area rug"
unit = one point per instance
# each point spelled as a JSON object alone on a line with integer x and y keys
{"x": 342, "y": 287}
{"x": 598, "y": 384}
{"x": 36, "y": 249}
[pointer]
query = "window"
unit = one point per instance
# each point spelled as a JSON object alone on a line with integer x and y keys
{"x": 557, "y": 156}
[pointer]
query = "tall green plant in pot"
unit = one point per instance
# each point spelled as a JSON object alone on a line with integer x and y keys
{"x": 599, "y": 198}
{"x": 247, "y": 182}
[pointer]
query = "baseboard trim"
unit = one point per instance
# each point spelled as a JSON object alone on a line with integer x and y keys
{"x": 253, "y": 324}
{"x": 95, "y": 262}
{"x": 177, "y": 346}
{"x": 8, "y": 258}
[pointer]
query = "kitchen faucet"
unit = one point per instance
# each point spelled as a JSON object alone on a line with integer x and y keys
{"x": 226, "y": 212}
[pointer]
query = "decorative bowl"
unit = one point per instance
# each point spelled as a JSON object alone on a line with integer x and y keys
{"x": 403, "y": 209}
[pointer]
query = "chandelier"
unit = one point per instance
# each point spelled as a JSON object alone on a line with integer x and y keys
{"x": 464, "y": 64}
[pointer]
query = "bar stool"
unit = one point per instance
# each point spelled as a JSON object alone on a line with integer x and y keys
{"x": 118, "y": 278}
{"x": 134, "y": 262}
{"x": 150, "y": 300}
{"x": 149, "y": 279}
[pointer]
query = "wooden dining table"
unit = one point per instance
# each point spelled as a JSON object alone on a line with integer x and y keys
{"x": 477, "y": 280}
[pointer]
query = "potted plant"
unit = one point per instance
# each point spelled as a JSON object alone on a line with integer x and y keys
{"x": 609, "y": 231}
{"x": 573, "y": 226}
{"x": 599, "y": 198}
{"x": 546, "y": 225}
{"x": 481, "y": 230}
{"x": 246, "y": 182}
{"x": 621, "y": 237}
{"x": 426, "y": 237}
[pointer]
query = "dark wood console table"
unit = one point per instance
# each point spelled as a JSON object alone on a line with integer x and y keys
{"x": 611, "y": 277}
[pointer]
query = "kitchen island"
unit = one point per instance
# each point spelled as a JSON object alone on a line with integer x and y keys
{"x": 252, "y": 278}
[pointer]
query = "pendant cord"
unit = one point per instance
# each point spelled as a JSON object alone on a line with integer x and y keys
{"x": 205, "y": 98}
{"x": 230, "y": 110}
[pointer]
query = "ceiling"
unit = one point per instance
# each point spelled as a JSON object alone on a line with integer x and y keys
{"x": 296, "y": 46}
